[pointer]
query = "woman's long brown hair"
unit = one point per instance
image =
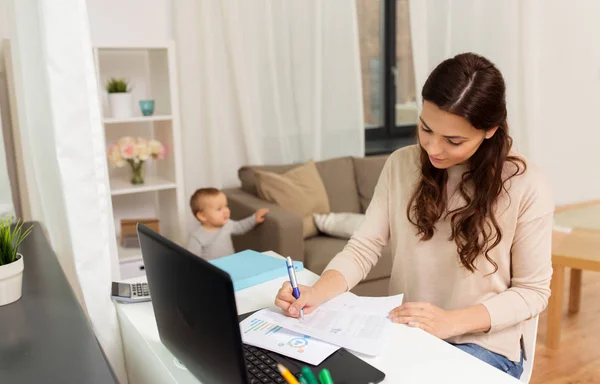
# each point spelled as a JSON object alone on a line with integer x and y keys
{"x": 469, "y": 86}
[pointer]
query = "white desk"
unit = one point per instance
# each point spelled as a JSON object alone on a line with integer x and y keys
{"x": 412, "y": 356}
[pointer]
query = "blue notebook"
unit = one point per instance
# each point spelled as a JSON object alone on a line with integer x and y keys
{"x": 248, "y": 268}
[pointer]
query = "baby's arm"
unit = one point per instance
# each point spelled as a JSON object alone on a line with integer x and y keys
{"x": 243, "y": 226}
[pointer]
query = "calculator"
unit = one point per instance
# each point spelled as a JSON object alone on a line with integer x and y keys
{"x": 130, "y": 293}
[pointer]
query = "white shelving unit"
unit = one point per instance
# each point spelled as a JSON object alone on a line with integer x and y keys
{"x": 137, "y": 119}
{"x": 152, "y": 74}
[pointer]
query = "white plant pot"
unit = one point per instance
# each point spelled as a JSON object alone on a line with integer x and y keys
{"x": 120, "y": 104}
{"x": 11, "y": 281}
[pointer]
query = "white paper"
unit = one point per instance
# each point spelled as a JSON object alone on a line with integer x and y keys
{"x": 373, "y": 305}
{"x": 562, "y": 229}
{"x": 349, "y": 321}
{"x": 259, "y": 331}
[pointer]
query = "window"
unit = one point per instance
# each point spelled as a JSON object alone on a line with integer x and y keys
{"x": 370, "y": 30}
{"x": 405, "y": 102}
{"x": 389, "y": 95}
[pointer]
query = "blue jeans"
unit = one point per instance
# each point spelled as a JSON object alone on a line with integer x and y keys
{"x": 495, "y": 360}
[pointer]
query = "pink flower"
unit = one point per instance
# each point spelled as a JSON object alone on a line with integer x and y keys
{"x": 163, "y": 152}
{"x": 128, "y": 151}
{"x": 114, "y": 156}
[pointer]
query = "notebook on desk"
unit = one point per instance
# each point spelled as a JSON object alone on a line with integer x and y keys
{"x": 248, "y": 268}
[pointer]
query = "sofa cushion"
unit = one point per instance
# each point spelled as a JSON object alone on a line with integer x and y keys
{"x": 340, "y": 182}
{"x": 299, "y": 190}
{"x": 248, "y": 179}
{"x": 319, "y": 250}
{"x": 337, "y": 175}
{"x": 338, "y": 224}
{"x": 368, "y": 170}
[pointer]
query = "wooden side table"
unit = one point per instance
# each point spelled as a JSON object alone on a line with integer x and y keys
{"x": 578, "y": 250}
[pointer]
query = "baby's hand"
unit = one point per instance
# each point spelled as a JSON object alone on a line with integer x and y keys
{"x": 260, "y": 215}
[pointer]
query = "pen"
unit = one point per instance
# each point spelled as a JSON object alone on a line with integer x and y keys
{"x": 325, "y": 377}
{"x": 287, "y": 375}
{"x": 309, "y": 376}
{"x": 293, "y": 281}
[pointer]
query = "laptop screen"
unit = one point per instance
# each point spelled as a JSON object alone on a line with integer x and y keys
{"x": 195, "y": 310}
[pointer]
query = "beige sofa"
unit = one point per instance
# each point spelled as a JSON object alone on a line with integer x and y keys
{"x": 349, "y": 182}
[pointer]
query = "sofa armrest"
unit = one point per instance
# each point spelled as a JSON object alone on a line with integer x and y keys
{"x": 280, "y": 232}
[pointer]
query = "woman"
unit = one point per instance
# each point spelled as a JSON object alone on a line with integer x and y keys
{"x": 468, "y": 221}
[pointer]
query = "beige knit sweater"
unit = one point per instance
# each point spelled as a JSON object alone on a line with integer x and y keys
{"x": 430, "y": 271}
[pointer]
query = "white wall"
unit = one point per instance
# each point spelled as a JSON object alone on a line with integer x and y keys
{"x": 6, "y": 204}
{"x": 549, "y": 54}
{"x": 563, "y": 55}
{"x": 129, "y": 20}
{"x": 564, "y": 137}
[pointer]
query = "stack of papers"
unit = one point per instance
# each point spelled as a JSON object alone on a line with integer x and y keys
{"x": 349, "y": 321}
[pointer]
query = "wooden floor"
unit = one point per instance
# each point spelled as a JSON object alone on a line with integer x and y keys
{"x": 577, "y": 360}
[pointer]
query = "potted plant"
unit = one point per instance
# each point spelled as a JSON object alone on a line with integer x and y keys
{"x": 11, "y": 261}
{"x": 135, "y": 152}
{"x": 119, "y": 98}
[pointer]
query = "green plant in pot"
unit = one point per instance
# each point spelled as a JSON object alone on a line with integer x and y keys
{"x": 11, "y": 261}
{"x": 119, "y": 98}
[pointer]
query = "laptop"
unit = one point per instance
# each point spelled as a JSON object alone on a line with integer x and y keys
{"x": 195, "y": 309}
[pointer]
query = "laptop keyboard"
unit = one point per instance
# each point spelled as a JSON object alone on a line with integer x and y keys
{"x": 261, "y": 368}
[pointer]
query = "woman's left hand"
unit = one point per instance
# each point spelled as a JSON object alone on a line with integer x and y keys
{"x": 441, "y": 323}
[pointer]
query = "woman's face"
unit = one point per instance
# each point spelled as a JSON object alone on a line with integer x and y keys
{"x": 448, "y": 139}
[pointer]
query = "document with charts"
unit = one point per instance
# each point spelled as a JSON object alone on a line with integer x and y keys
{"x": 349, "y": 321}
{"x": 260, "y": 332}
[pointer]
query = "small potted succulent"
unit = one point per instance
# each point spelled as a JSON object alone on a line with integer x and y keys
{"x": 11, "y": 261}
{"x": 120, "y": 100}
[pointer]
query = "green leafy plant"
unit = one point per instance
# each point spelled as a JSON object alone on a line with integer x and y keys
{"x": 10, "y": 239}
{"x": 117, "y": 86}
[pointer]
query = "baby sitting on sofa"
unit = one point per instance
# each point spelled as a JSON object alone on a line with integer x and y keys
{"x": 213, "y": 238}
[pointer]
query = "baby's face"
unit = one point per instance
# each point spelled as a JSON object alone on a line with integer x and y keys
{"x": 215, "y": 211}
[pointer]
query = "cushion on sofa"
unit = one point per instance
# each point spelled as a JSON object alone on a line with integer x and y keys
{"x": 368, "y": 170}
{"x": 299, "y": 190}
{"x": 337, "y": 174}
{"x": 248, "y": 179}
{"x": 338, "y": 224}
{"x": 319, "y": 250}
{"x": 340, "y": 182}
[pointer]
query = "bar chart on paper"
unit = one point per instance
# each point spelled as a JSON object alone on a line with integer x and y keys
{"x": 265, "y": 334}
{"x": 262, "y": 326}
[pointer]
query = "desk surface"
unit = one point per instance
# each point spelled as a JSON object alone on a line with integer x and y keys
{"x": 577, "y": 247}
{"x": 45, "y": 336}
{"x": 581, "y": 216}
{"x": 411, "y": 356}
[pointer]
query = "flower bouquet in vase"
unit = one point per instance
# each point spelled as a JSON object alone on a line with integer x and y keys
{"x": 135, "y": 152}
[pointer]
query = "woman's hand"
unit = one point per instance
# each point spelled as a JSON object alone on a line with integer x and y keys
{"x": 441, "y": 323}
{"x": 291, "y": 307}
{"x": 330, "y": 284}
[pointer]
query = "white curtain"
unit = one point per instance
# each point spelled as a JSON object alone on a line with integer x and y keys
{"x": 549, "y": 55}
{"x": 266, "y": 82}
{"x": 60, "y": 131}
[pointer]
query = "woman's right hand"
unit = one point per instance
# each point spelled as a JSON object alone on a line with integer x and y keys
{"x": 291, "y": 306}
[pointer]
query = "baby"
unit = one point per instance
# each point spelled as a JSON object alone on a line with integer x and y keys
{"x": 213, "y": 239}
